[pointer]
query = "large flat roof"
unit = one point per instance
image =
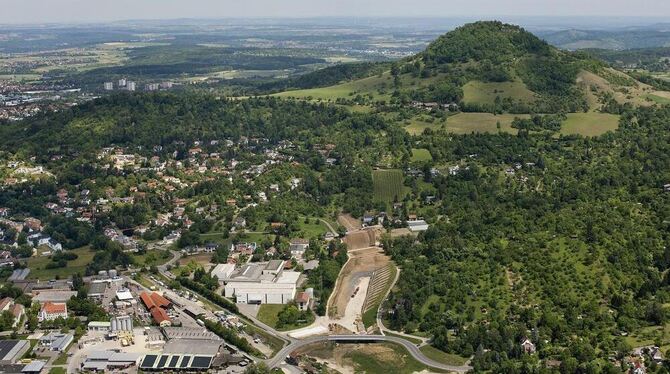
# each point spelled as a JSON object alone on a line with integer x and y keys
{"x": 192, "y": 347}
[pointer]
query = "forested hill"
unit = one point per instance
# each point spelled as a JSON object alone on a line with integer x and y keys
{"x": 484, "y": 66}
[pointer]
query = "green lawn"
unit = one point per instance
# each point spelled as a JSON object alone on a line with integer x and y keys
{"x": 57, "y": 370}
{"x": 442, "y": 357}
{"x": 589, "y": 124}
{"x": 267, "y": 313}
{"x": 420, "y": 154}
{"x": 388, "y": 185}
{"x": 486, "y": 92}
{"x": 37, "y": 265}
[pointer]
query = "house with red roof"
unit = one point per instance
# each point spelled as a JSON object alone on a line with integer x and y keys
{"x": 51, "y": 311}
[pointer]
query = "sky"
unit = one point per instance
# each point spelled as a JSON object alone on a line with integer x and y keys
{"x": 65, "y": 11}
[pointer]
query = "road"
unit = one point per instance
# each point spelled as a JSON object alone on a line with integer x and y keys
{"x": 411, "y": 348}
{"x": 294, "y": 344}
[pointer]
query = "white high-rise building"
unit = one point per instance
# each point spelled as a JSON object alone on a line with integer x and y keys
{"x": 122, "y": 82}
{"x": 130, "y": 86}
{"x": 109, "y": 86}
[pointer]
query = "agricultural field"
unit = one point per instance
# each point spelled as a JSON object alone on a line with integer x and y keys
{"x": 38, "y": 265}
{"x": 388, "y": 185}
{"x": 589, "y": 124}
{"x": 486, "y": 92}
{"x": 420, "y": 154}
{"x": 379, "y": 286}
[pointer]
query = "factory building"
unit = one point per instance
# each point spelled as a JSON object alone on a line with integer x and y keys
{"x": 262, "y": 284}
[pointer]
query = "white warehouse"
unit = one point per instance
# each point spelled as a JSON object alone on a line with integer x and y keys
{"x": 262, "y": 284}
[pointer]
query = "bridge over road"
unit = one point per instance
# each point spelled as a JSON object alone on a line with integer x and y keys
{"x": 411, "y": 348}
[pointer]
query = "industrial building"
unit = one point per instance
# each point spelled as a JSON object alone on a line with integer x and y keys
{"x": 262, "y": 284}
{"x": 189, "y": 333}
{"x": 223, "y": 271}
{"x": 183, "y": 355}
{"x": 157, "y": 305}
{"x": 56, "y": 341}
{"x": 105, "y": 361}
{"x": 12, "y": 350}
{"x": 97, "y": 290}
{"x": 121, "y": 323}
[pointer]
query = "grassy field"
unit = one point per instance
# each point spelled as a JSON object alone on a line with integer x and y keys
{"x": 346, "y": 90}
{"x": 658, "y": 99}
{"x": 57, "y": 370}
{"x": 486, "y": 93}
{"x": 420, "y": 154}
{"x": 37, "y": 265}
{"x": 388, "y": 185}
{"x": 466, "y": 123}
{"x": 367, "y": 358}
{"x": 314, "y": 228}
{"x": 589, "y": 124}
{"x": 442, "y": 357}
{"x": 148, "y": 258}
{"x": 416, "y": 126}
{"x": 267, "y": 313}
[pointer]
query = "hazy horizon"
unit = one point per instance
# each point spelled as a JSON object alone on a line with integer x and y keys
{"x": 87, "y": 11}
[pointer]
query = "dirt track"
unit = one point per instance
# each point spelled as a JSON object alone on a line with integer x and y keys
{"x": 361, "y": 264}
{"x": 349, "y": 222}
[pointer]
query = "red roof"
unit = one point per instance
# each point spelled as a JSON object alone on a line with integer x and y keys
{"x": 160, "y": 300}
{"x": 159, "y": 315}
{"x": 52, "y": 308}
{"x": 302, "y": 297}
{"x": 147, "y": 300}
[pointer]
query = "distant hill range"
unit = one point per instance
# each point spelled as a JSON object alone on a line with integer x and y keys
{"x": 484, "y": 67}
{"x": 626, "y": 38}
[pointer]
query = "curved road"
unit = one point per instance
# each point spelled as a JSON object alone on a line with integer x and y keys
{"x": 295, "y": 344}
{"x": 411, "y": 348}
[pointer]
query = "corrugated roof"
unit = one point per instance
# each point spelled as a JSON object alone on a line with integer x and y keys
{"x": 159, "y": 315}
{"x": 34, "y": 366}
{"x": 147, "y": 300}
{"x": 159, "y": 300}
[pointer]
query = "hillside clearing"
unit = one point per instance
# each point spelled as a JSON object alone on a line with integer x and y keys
{"x": 486, "y": 92}
{"x": 420, "y": 154}
{"x": 466, "y": 123}
{"x": 589, "y": 124}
